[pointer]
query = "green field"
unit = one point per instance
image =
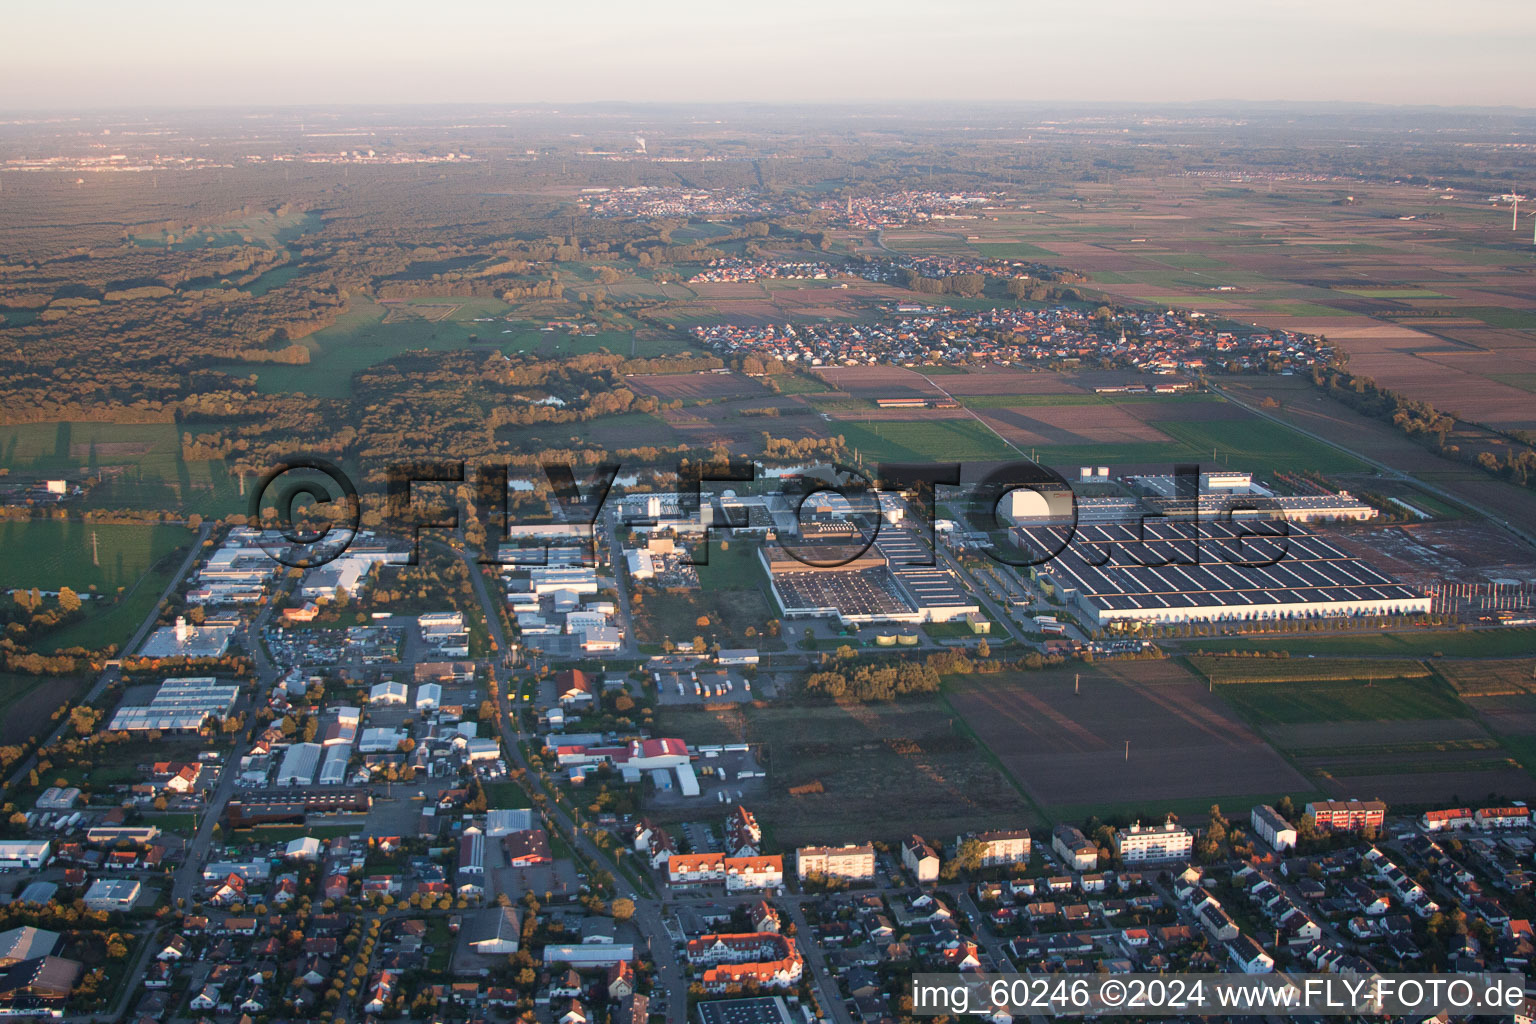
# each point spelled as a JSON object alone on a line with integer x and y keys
{"x": 27, "y": 703}
{"x": 50, "y": 553}
{"x": 1013, "y": 251}
{"x": 800, "y": 384}
{"x": 1523, "y": 381}
{"x": 1498, "y": 316}
{"x": 139, "y": 465}
{"x": 1258, "y": 444}
{"x": 1393, "y": 293}
{"x": 113, "y": 623}
{"x": 736, "y": 567}
{"x": 1076, "y": 398}
{"x": 1360, "y": 701}
{"x": 360, "y": 339}
{"x": 265, "y": 228}
{"x": 506, "y": 795}
{"x": 1490, "y": 643}
{"x": 918, "y": 441}
{"x": 732, "y": 595}
{"x": 1296, "y": 308}
{"x": 1264, "y": 671}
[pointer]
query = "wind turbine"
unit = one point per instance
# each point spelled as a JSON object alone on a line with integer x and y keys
{"x": 1514, "y": 215}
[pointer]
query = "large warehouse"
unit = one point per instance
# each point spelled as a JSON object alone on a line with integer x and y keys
{"x": 886, "y": 583}
{"x": 179, "y": 705}
{"x": 1156, "y": 572}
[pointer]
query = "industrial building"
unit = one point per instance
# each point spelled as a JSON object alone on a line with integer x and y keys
{"x": 586, "y": 955}
{"x": 111, "y": 894}
{"x": 301, "y": 763}
{"x": 334, "y": 771}
{"x": 1235, "y": 494}
{"x": 26, "y": 943}
{"x": 179, "y": 705}
{"x": 24, "y": 853}
{"x": 500, "y": 822}
{"x": 388, "y": 692}
{"x": 1166, "y": 571}
{"x": 495, "y": 930}
{"x": 832, "y": 578}
{"x": 548, "y": 579}
{"x": 749, "y": 1010}
{"x": 184, "y": 640}
{"x": 379, "y": 741}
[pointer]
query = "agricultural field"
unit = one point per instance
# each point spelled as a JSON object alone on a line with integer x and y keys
{"x": 695, "y": 387}
{"x": 885, "y": 770}
{"x": 1407, "y": 739}
{"x": 1061, "y": 424}
{"x": 1412, "y": 760}
{"x": 1356, "y": 700}
{"x": 1299, "y": 404}
{"x": 1260, "y": 444}
{"x": 27, "y": 703}
{"x": 1430, "y": 295}
{"x": 943, "y": 440}
{"x": 137, "y": 465}
{"x": 373, "y": 332}
{"x": 799, "y": 384}
{"x": 1491, "y": 643}
{"x": 1065, "y": 744}
{"x": 740, "y": 423}
{"x": 1222, "y": 671}
{"x": 50, "y": 553}
{"x": 1490, "y": 677}
{"x": 111, "y": 623}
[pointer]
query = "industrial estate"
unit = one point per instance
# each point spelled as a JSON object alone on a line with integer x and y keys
{"x": 702, "y": 670}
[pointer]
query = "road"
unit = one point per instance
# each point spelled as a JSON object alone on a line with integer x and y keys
{"x": 999, "y": 615}
{"x": 186, "y": 882}
{"x": 832, "y": 1005}
{"x": 648, "y": 910}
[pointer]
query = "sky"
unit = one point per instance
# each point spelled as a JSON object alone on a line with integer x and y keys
{"x": 93, "y": 54}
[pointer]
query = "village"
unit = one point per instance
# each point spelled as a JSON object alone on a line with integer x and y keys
{"x": 914, "y": 334}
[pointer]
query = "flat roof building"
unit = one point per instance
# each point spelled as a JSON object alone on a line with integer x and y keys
{"x": 752, "y": 1010}
{"x": 1163, "y": 571}
{"x": 184, "y": 640}
{"x": 1148, "y": 843}
{"x": 854, "y": 862}
{"x": 24, "y": 853}
{"x": 1348, "y": 815}
{"x": 1273, "y": 828}
{"x": 179, "y": 705}
{"x": 113, "y": 894}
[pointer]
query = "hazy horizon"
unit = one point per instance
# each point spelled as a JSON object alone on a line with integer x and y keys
{"x": 170, "y": 53}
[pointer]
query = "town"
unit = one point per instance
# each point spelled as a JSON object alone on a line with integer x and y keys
{"x": 277, "y": 805}
{"x": 498, "y": 526}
